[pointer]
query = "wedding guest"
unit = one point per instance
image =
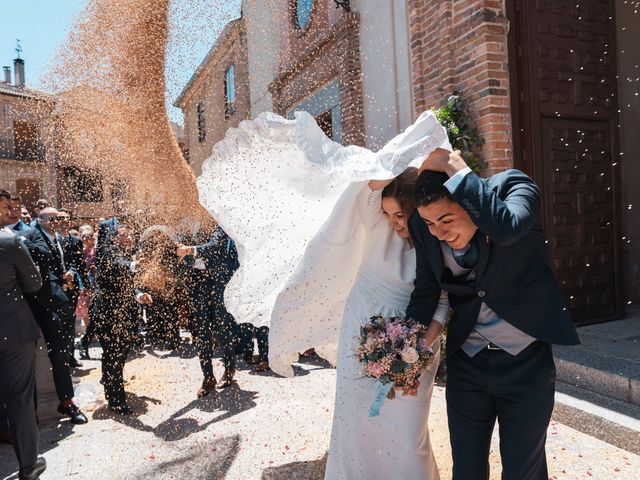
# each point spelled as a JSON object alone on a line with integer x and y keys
{"x": 115, "y": 325}
{"x": 73, "y": 250}
{"x": 39, "y": 205}
{"x": 26, "y": 217}
{"x": 18, "y": 334}
{"x": 213, "y": 264}
{"x": 53, "y": 308}
{"x": 158, "y": 275}
{"x": 15, "y": 212}
{"x": 86, "y": 295}
{"x": 482, "y": 241}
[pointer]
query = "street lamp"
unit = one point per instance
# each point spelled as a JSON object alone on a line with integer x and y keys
{"x": 344, "y": 4}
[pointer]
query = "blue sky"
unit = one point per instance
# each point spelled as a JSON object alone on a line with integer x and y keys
{"x": 42, "y": 27}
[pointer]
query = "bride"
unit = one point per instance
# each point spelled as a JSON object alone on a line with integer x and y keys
{"x": 322, "y": 248}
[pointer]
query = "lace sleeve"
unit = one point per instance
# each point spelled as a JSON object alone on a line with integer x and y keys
{"x": 369, "y": 206}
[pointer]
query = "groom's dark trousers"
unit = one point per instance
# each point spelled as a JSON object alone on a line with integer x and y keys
{"x": 513, "y": 278}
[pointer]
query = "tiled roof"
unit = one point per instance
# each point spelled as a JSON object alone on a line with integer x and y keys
{"x": 8, "y": 89}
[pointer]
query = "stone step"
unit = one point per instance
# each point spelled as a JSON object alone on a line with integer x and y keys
{"x": 603, "y": 366}
{"x": 613, "y": 421}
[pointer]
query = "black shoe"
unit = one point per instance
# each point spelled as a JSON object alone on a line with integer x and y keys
{"x": 73, "y": 363}
{"x": 33, "y": 472}
{"x": 120, "y": 408}
{"x": 73, "y": 412}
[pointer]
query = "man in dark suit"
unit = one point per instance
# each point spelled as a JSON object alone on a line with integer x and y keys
{"x": 53, "y": 308}
{"x": 482, "y": 242}
{"x": 119, "y": 314}
{"x": 72, "y": 248}
{"x": 18, "y": 334}
{"x": 213, "y": 265}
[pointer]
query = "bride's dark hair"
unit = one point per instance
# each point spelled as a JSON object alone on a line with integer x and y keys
{"x": 402, "y": 188}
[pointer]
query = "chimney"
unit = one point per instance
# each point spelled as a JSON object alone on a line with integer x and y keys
{"x": 18, "y": 72}
{"x": 7, "y": 74}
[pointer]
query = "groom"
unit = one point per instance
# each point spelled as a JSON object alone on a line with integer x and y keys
{"x": 481, "y": 241}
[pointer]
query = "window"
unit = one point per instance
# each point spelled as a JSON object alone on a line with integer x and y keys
{"x": 303, "y": 13}
{"x": 82, "y": 185}
{"x": 202, "y": 130}
{"x": 230, "y": 91}
{"x": 324, "y": 122}
{"x": 25, "y": 141}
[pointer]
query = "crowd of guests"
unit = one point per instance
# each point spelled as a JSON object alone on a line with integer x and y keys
{"x": 131, "y": 283}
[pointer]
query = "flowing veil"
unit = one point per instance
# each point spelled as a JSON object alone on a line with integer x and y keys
{"x": 286, "y": 194}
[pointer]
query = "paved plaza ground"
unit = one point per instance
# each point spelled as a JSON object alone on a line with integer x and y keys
{"x": 267, "y": 428}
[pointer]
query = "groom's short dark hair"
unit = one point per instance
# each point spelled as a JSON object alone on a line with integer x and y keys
{"x": 430, "y": 187}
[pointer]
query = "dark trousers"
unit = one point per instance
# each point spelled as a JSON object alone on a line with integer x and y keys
{"x": 90, "y": 331}
{"x": 17, "y": 384}
{"x": 247, "y": 332}
{"x": 211, "y": 317}
{"x": 162, "y": 320}
{"x": 115, "y": 349}
{"x": 59, "y": 339}
{"x": 518, "y": 391}
{"x": 262, "y": 338}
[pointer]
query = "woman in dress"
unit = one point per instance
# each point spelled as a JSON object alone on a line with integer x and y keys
{"x": 320, "y": 252}
{"x": 396, "y": 443}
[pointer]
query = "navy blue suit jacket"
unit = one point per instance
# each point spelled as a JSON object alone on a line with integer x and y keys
{"x": 514, "y": 275}
{"x": 47, "y": 258}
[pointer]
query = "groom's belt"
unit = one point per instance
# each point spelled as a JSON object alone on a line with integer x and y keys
{"x": 492, "y": 346}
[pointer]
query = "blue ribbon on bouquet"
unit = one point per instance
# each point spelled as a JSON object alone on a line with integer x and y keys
{"x": 382, "y": 389}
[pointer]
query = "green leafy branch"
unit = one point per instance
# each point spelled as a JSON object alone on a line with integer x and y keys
{"x": 463, "y": 136}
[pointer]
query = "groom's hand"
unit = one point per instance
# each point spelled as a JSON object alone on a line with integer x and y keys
{"x": 441, "y": 160}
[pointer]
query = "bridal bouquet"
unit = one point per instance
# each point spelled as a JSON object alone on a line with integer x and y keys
{"x": 393, "y": 352}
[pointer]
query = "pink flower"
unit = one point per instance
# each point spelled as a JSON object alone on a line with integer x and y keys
{"x": 375, "y": 369}
{"x": 394, "y": 330}
{"x": 423, "y": 344}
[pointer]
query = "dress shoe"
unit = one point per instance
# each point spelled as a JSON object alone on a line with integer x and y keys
{"x": 120, "y": 408}
{"x": 208, "y": 386}
{"x": 73, "y": 412}
{"x": 251, "y": 359}
{"x": 261, "y": 367}
{"x": 227, "y": 379}
{"x": 33, "y": 472}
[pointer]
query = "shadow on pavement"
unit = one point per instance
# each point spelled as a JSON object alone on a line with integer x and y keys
{"x": 311, "y": 470}
{"x": 50, "y": 435}
{"x": 208, "y": 461}
{"x": 231, "y": 401}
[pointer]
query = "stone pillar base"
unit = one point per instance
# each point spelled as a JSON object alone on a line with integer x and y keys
{"x": 47, "y": 398}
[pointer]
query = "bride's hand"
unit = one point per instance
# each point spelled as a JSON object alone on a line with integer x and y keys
{"x": 442, "y": 160}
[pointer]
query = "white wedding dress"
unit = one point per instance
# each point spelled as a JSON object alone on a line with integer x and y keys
{"x": 316, "y": 260}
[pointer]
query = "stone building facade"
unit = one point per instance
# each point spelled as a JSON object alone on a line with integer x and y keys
{"x": 217, "y": 95}
{"x": 462, "y": 46}
{"x": 550, "y": 85}
{"x": 27, "y": 162}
